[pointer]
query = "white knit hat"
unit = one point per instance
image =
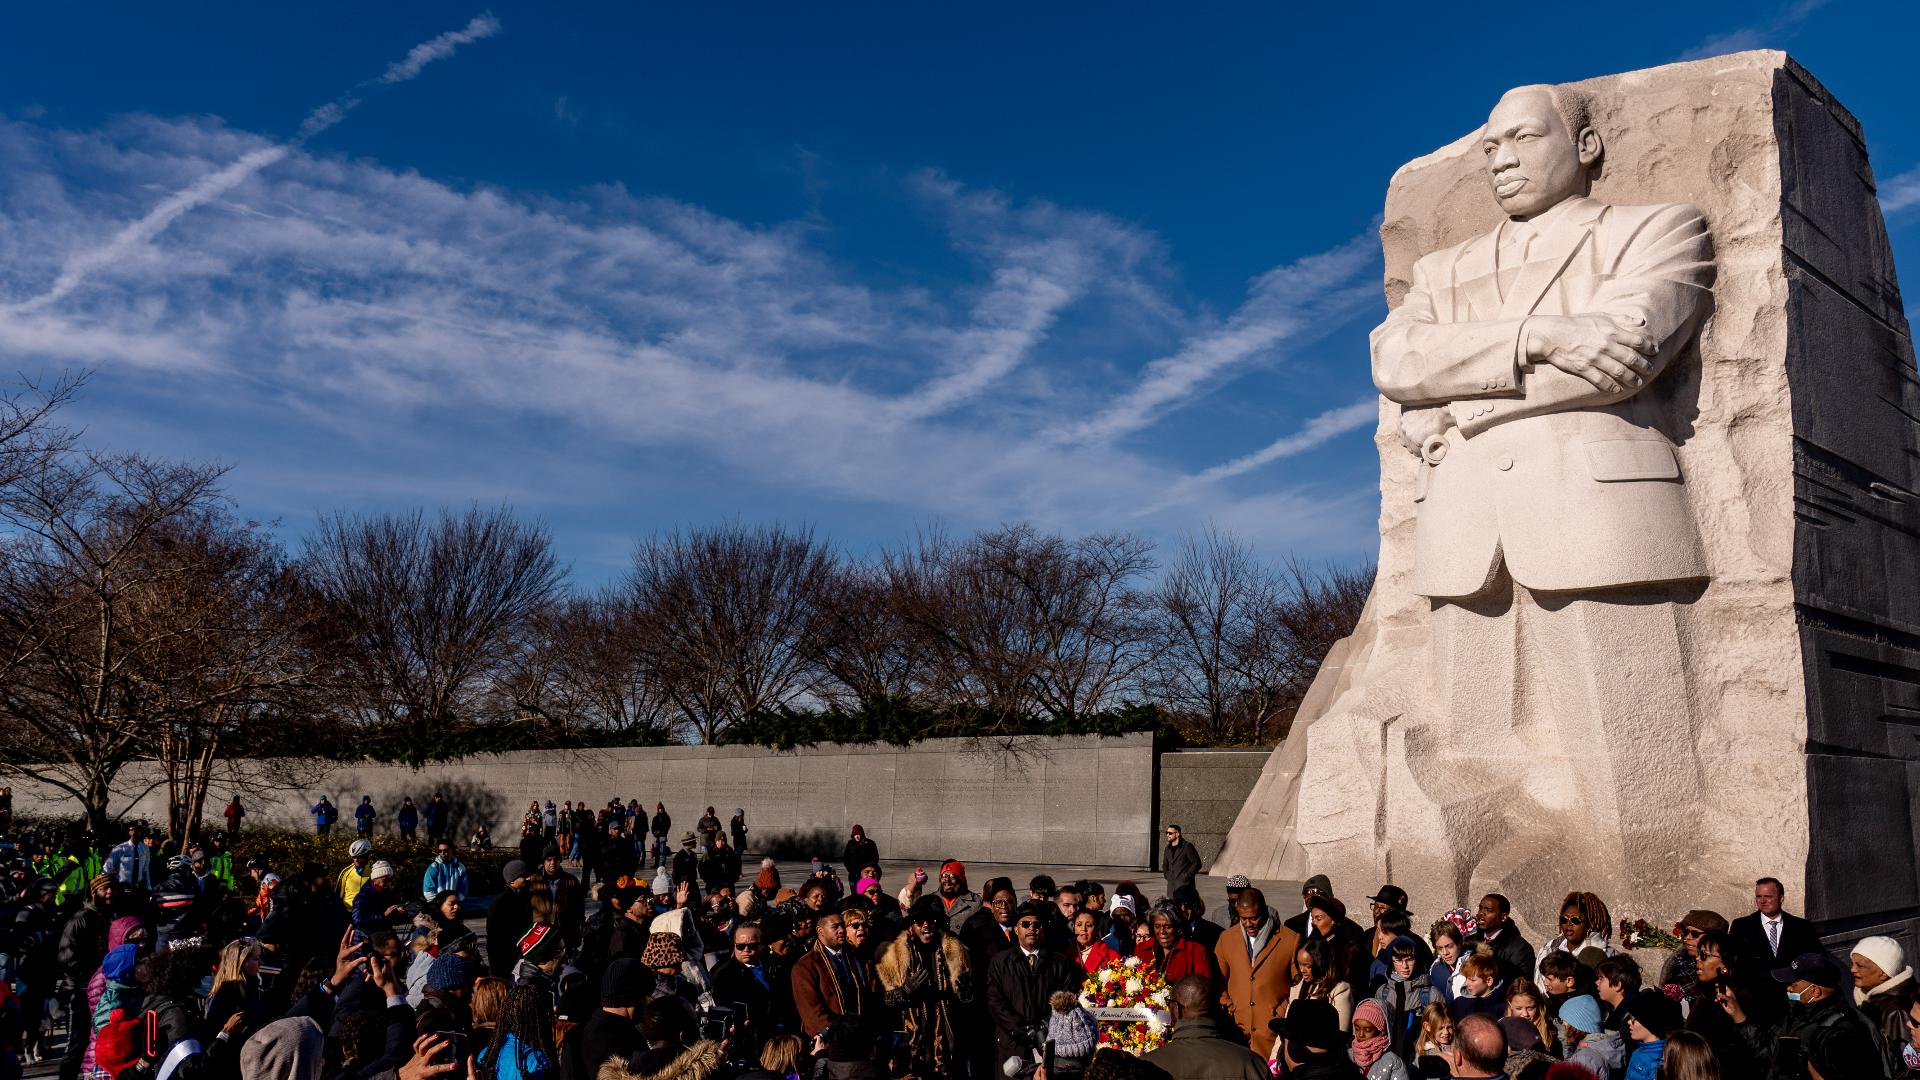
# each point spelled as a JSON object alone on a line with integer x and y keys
{"x": 1885, "y": 952}
{"x": 381, "y": 868}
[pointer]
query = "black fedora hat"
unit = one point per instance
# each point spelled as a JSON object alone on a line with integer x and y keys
{"x": 1313, "y": 1024}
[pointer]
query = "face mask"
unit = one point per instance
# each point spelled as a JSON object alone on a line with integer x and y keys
{"x": 1793, "y": 997}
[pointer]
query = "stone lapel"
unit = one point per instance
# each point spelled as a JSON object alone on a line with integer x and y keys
{"x": 1552, "y": 251}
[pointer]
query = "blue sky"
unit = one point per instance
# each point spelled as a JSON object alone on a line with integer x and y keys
{"x": 868, "y": 267}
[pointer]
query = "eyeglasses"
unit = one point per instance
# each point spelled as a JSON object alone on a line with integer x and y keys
{"x": 1690, "y": 932}
{"x": 1572, "y": 920}
{"x": 1027, "y": 924}
{"x": 746, "y": 946}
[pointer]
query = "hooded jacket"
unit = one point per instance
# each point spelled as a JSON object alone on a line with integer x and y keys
{"x": 1603, "y": 1053}
{"x": 701, "y": 1061}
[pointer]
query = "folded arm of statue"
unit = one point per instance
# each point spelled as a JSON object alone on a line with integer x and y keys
{"x": 1418, "y": 360}
{"x": 1657, "y": 300}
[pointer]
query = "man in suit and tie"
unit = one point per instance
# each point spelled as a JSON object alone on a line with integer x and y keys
{"x": 1554, "y": 535}
{"x": 835, "y": 996}
{"x": 1770, "y": 932}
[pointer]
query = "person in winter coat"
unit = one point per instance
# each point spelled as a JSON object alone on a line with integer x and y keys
{"x": 1255, "y": 960}
{"x": 170, "y": 981}
{"x": 1404, "y": 997}
{"x": 407, "y": 819}
{"x": 662, "y": 825}
{"x": 738, "y": 826}
{"x": 1020, "y": 983}
{"x": 1882, "y": 988}
{"x": 928, "y": 983}
{"x": 1200, "y": 1047}
{"x": 1650, "y": 1016}
{"x": 1834, "y": 1039}
{"x": 860, "y": 853}
{"x": 1584, "y": 924}
{"x": 1312, "y": 1045}
{"x": 508, "y": 919}
{"x": 835, "y": 994}
{"x": 1319, "y": 979}
{"x": 522, "y": 1046}
{"x": 1180, "y": 862}
{"x": 1372, "y": 1048}
{"x": 1169, "y": 951}
{"x": 1601, "y": 1053}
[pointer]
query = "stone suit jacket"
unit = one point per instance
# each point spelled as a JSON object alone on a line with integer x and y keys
{"x": 1574, "y": 487}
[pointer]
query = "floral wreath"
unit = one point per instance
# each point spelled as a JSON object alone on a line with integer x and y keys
{"x": 1128, "y": 1000}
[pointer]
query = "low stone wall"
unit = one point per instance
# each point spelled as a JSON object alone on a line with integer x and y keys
{"x": 1071, "y": 801}
{"x": 1202, "y": 791}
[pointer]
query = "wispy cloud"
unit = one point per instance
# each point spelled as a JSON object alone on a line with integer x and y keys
{"x": 1901, "y": 193}
{"x": 1315, "y": 433}
{"x": 1772, "y": 32}
{"x": 223, "y": 180}
{"x": 1298, "y": 301}
{"x": 483, "y": 26}
{"x": 353, "y": 305}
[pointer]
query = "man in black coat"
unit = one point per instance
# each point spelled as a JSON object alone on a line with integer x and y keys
{"x": 1770, "y": 933}
{"x": 743, "y": 981}
{"x": 1019, "y": 982}
{"x": 1510, "y": 951}
{"x": 507, "y": 920}
{"x": 1181, "y": 862}
{"x": 613, "y": 1032}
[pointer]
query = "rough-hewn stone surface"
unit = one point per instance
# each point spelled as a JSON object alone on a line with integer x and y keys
{"x": 1799, "y": 443}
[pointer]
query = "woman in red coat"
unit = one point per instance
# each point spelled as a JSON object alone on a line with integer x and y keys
{"x": 1169, "y": 952}
{"x": 1092, "y": 953}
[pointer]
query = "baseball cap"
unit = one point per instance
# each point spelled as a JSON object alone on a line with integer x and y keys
{"x": 1816, "y": 967}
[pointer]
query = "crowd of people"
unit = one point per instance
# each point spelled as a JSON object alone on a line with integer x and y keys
{"x": 697, "y": 972}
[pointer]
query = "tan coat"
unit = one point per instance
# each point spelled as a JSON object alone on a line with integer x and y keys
{"x": 1254, "y": 989}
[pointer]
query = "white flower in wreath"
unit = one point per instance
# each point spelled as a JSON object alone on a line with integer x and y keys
{"x": 1106, "y": 976}
{"x": 1155, "y": 1026}
{"x": 1160, "y": 998}
{"x": 1133, "y": 986}
{"x": 1133, "y": 962}
{"x": 1088, "y": 1001}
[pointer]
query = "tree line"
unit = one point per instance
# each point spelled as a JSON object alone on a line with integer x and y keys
{"x": 142, "y": 617}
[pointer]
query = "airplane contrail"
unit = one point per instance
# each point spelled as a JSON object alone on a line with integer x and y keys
{"x": 81, "y": 266}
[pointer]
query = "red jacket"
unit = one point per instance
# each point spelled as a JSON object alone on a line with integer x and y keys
{"x": 1184, "y": 959}
{"x": 1097, "y": 957}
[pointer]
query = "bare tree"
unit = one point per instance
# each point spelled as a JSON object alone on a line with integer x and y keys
{"x": 1015, "y": 622}
{"x": 722, "y": 614}
{"x": 584, "y": 669}
{"x": 1239, "y": 641}
{"x": 76, "y": 587}
{"x": 860, "y": 644}
{"x": 226, "y": 671}
{"x": 426, "y": 617}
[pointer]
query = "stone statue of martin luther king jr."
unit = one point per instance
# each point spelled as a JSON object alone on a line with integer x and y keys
{"x": 1554, "y": 536}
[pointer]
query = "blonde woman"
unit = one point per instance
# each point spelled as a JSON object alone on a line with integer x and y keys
{"x": 236, "y": 986}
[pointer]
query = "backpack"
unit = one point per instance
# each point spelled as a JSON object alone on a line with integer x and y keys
{"x": 126, "y": 1040}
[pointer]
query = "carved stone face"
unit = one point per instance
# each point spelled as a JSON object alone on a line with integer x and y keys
{"x": 1533, "y": 162}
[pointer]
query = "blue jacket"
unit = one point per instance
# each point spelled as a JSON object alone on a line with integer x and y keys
{"x": 1645, "y": 1062}
{"x": 441, "y": 876}
{"x": 519, "y": 1062}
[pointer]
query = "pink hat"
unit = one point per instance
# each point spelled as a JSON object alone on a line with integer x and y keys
{"x": 862, "y": 885}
